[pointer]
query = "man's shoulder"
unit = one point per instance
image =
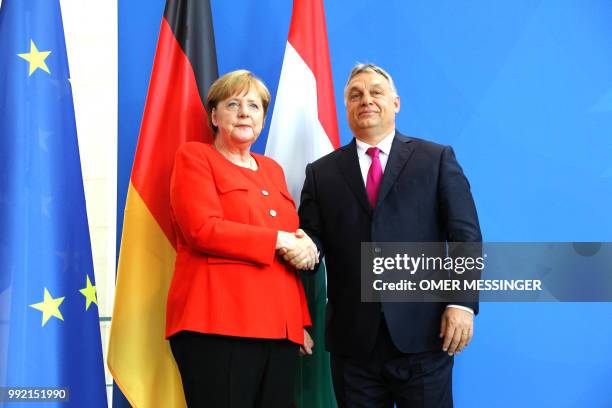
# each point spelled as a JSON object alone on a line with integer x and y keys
{"x": 419, "y": 143}
{"x": 424, "y": 145}
{"x": 330, "y": 158}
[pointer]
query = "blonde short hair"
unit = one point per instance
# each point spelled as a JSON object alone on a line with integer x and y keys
{"x": 233, "y": 83}
{"x": 360, "y": 68}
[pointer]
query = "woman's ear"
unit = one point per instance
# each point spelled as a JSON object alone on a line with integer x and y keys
{"x": 213, "y": 116}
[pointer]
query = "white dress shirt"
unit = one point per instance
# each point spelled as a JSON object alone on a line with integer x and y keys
{"x": 365, "y": 161}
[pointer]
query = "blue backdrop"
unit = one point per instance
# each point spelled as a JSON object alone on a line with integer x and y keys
{"x": 521, "y": 89}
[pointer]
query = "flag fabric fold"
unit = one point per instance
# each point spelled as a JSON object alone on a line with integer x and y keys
{"x": 303, "y": 129}
{"x": 184, "y": 67}
{"x": 49, "y": 323}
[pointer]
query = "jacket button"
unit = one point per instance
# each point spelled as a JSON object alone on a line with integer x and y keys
{"x": 273, "y": 213}
{"x": 265, "y": 193}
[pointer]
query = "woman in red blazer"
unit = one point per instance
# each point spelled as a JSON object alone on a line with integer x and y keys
{"x": 236, "y": 310}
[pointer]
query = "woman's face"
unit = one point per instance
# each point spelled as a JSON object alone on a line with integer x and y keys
{"x": 239, "y": 118}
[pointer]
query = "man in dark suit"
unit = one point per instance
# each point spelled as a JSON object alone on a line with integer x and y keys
{"x": 386, "y": 187}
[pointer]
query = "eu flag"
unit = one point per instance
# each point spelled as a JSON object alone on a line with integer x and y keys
{"x": 49, "y": 326}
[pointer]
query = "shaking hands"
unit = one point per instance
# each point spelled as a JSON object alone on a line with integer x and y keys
{"x": 298, "y": 249}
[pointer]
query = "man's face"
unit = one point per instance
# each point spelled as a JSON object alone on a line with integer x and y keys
{"x": 371, "y": 105}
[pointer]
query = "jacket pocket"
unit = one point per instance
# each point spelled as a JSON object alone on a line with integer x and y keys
{"x": 234, "y": 199}
{"x": 217, "y": 260}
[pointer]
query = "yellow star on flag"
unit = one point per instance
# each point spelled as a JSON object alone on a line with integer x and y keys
{"x": 89, "y": 292}
{"x": 36, "y": 59}
{"x": 49, "y": 307}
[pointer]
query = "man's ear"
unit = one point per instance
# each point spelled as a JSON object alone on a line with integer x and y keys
{"x": 396, "y": 102}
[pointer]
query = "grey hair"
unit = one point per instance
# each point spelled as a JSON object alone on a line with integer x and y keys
{"x": 360, "y": 68}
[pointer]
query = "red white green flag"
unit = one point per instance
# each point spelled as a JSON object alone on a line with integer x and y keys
{"x": 303, "y": 128}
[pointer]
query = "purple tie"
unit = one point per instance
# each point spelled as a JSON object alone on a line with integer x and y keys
{"x": 374, "y": 175}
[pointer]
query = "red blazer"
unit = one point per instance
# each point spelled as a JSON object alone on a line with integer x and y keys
{"x": 227, "y": 278}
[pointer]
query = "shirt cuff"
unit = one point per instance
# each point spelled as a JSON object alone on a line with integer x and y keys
{"x": 467, "y": 309}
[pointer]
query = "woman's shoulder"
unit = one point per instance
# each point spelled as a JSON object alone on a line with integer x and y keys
{"x": 267, "y": 164}
{"x": 195, "y": 147}
{"x": 197, "y": 151}
{"x": 273, "y": 169}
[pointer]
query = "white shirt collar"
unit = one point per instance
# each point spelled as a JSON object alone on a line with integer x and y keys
{"x": 384, "y": 145}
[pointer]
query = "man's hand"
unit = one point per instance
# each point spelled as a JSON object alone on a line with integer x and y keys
{"x": 457, "y": 328}
{"x": 308, "y": 344}
{"x": 298, "y": 249}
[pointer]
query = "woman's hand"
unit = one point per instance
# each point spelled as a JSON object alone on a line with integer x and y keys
{"x": 285, "y": 240}
{"x": 297, "y": 249}
{"x": 308, "y": 344}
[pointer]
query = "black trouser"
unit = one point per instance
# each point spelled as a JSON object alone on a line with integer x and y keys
{"x": 235, "y": 372}
{"x": 387, "y": 376}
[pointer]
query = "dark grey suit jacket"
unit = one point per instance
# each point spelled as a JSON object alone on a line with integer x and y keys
{"x": 424, "y": 197}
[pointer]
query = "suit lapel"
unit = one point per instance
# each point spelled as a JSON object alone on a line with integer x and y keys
{"x": 401, "y": 150}
{"x": 349, "y": 166}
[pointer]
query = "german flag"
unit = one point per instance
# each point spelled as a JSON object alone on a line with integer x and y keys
{"x": 185, "y": 65}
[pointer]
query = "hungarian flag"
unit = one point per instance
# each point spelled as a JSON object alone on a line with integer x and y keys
{"x": 185, "y": 65}
{"x": 304, "y": 128}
